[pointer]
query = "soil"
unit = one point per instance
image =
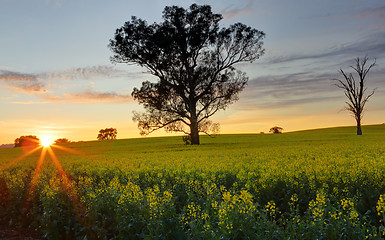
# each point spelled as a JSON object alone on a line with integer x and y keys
{"x": 18, "y": 234}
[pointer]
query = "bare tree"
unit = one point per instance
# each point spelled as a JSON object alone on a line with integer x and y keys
{"x": 355, "y": 91}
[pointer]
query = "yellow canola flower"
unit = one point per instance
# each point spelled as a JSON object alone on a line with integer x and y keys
{"x": 317, "y": 207}
{"x": 270, "y": 209}
{"x": 380, "y": 207}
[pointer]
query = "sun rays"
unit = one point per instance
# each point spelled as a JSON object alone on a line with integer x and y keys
{"x": 45, "y": 148}
{"x": 47, "y": 152}
{"x": 26, "y": 154}
{"x": 46, "y": 141}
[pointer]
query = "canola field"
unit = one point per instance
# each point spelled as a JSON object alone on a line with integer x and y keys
{"x": 317, "y": 184}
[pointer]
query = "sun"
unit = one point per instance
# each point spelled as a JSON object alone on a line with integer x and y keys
{"x": 46, "y": 141}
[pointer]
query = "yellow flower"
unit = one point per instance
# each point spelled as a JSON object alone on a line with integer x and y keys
{"x": 317, "y": 207}
{"x": 270, "y": 209}
{"x": 380, "y": 207}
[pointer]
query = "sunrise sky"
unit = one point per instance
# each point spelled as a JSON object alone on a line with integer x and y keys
{"x": 56, "y": 77}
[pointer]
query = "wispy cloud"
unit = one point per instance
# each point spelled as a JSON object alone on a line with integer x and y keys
{"x": 371, "y": 13}
{"x": 101, "y": 97}
{"x": 292, "y": 90}
{"x": 229, "y": 12}
{"x": 283, "y": 88}
{"x": 90, "y": 96}
{"x": 29, "y": 102}
{"x": 372, "y": 45}
{"x": 34, "y": 83}
{"x": 26, "y": 82}
{"x": 83, "y": 73}
{"x": 47, "y": 86}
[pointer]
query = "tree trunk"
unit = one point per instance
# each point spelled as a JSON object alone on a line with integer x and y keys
{"x": 359, "y": 131}
{"x": 194, "y": 133}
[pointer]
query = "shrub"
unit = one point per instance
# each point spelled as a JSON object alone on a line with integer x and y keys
{"x": 187, "y": 139}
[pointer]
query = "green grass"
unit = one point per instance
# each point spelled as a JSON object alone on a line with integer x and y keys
{"x": 230, "y": 187}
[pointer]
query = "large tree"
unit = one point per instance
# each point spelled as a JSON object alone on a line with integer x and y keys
{"x": 107, "y": 134}
{"x": 355, "y": 90}
{"x": 193, "y": 60}
{"x": 25, "y": 141}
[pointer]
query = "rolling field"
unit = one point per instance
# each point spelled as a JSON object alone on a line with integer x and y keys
{"x": 316, "y": 184}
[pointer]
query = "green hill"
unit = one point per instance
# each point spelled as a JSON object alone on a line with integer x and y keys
{"x": 313, "y": 184}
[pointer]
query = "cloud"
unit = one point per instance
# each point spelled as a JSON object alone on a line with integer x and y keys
{"x": 229, "y": 13}
{"x": 278, "y": 104}
{"x": 91, "y": 96}
{"x": 288, "y": 90}
{"x": 84, "y": 73}
{"x": 46, "y": 86}
{"x": 302, "y": 88}
{"x": 373, "y": 45}
{"x": 26, "y": 82}
{"x": 102, "y": 97}
{"x": 371, "y": 13}
{"x": 34, "y": 83}
{"x": 28, "y": 102}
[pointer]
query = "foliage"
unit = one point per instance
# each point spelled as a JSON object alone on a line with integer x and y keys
{"x": 193, "y": 60}
{"x": 107, "y": 134}
{"x": 187, "y": 139}
{"x": 62, "y": 140}
{"x": 29, "y": 140}
{"x": 356, "y": 91}
{"x": 320, "y": 184}
{"x": 276, "y": 129}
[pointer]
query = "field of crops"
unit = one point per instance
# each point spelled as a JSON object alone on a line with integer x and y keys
{"x": 318, "y": 184}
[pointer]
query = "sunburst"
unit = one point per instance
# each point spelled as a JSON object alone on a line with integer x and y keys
{"x": 46, "y": 141}
{"x": 47, "y": 146}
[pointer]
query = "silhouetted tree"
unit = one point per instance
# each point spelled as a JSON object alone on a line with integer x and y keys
{"x": 355, "y": 90}
{"x": 193, "y": 60}
{"x": 276, "y": 129}
{"x": 29, "y": 140}
{"x": 61, "y": 140}
{"x": 107, "y": 134}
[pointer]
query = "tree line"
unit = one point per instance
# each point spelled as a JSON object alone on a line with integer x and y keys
{"x": 34, "y": 141}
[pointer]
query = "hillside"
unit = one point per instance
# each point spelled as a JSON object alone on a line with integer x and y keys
{"x": 309, "y": 184}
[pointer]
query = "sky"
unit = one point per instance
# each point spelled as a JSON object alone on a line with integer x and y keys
{"x": 56, "y": 77}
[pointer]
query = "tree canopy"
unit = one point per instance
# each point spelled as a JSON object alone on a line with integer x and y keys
{"x": 62, "y": 140}
{"x": 193, "y": 60}
{"x": 276, "y": 130}
{"x": 29, "y": 140}
{"x": 107, "y": 134}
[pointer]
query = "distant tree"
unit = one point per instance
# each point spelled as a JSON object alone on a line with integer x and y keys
{"x": 107, "y": 134}
{"x": 29, "y": 140}
{"x": 61, "y": 140}
{"x": 355, "y": 90}
{"x": 193, "y": 60}
{"x": 276, "y": 129}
